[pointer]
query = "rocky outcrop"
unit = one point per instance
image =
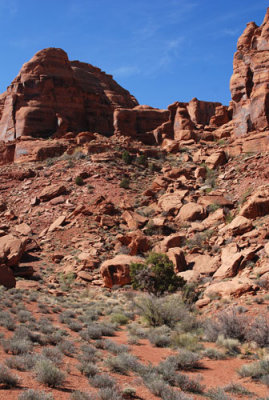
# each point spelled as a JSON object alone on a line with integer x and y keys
{"x": 250, "y": 80}
{"x": 52, "y": 95}
{"x": 139, "y": 122}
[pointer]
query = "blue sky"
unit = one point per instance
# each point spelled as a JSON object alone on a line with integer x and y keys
{"x": 161, "y": 51}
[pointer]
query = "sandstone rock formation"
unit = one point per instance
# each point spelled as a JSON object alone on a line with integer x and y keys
{"x": 117, "y": 270}
{"x": 249, "y": 82}
{"x": 52, "y": 95}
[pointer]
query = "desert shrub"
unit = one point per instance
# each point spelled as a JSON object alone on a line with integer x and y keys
{"x": 109, "y": 393}
{"x": 186, "y": 360}
{"x": 188, "y": 384}
{"x": 126, "y": 157}
{"x": 67, "y": 348}
{"x": 53, "y": 354}
{"x": 168, "y": 310}
{"x": 185, "y": 340}
{"x": 156, "y": 275}
{"x": 48, "y": 374}
{"x": 88, "y": 368}
{"x": 91, "y": 332}
{"x": 102, "y": 381}
{"x": 108, "y": 329}
{"x": 7, "y": 378}
{"x": 78, "y": 395}
{"x": 88, "y": 353}
{"x": 75, "y": 326}
{"x": 229, "y": 324}
{"x": 24, "y": 362}
{"x": 7, "y": 321}
{"x": 32, "y": 394}
{"x": 217, "y": 394}
{"x": 259, "y": 331}
{"x": 123, "y": 363}
{"x": 231, "y": 345}
{"x": 256, "y": 370}
{"x": 214, "y": 354}
{"x": 113, "y": 347}
{"x": 159, "y": 388}
{"x": 236, "y": 388}
{"x": 125, "y": 183}
{"x": 24, "y": 316}
{"x": 119, "y": 318}
{"x": 16, "y": 346}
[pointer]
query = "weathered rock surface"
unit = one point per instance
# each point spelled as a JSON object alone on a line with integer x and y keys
{"x": 11, "y": 249}
{"x": 250, "y": 80}
{"x": 191, "y": 212}
{"x": 257, "y": 205}
{"x": 117, "y": 270}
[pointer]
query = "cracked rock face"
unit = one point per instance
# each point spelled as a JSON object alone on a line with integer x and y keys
{"x": 250, "y": 80}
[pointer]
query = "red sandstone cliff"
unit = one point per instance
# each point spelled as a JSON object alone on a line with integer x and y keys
{"x": 250, "y": 80}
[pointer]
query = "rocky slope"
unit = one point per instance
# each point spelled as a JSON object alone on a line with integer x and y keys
{"x": 200, "y": 194}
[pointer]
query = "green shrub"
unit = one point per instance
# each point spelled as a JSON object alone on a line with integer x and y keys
{"x": 126, "y": 157}
{"x": 119, "y": 319}
{"x": 156, "y": 276}
{"x": 79, "y": 181}
{"x": 142, "y": 160}
{"x": 125, "y": 183}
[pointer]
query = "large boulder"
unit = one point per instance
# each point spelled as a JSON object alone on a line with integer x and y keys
{"x": 231, "y": 258}
{"x": 250, "y": 80}
{"x": 257, "y": 205}
{"x": 191, "y": 212}
{"x": 116, "y": 271}
{"x": 234, "y": 287}
{"x": 11, "y": 250}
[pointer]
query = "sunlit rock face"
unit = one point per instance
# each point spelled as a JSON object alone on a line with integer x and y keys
{"x": 52, "y": 96}
{"x": 250, "y": 80}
